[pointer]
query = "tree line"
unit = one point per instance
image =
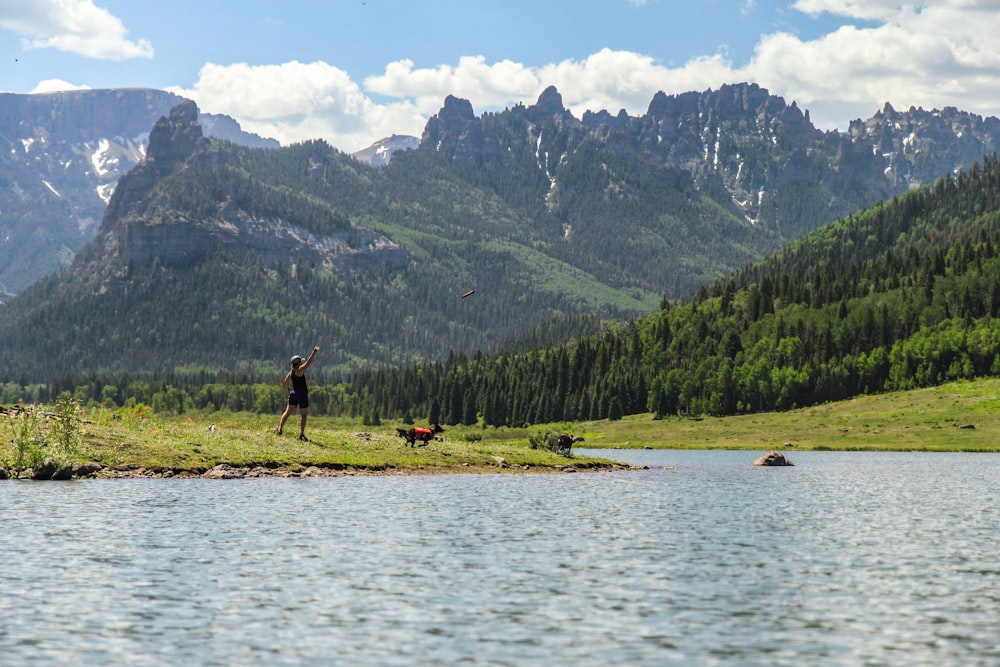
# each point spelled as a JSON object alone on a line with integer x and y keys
{"x": 903, "y": 295}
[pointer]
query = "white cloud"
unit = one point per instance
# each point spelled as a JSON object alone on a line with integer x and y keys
{"x": 57, "y": 85}
{"x": 938, "y": 54}
{"x": 615, "y": 80}
{"x": 876, "y": 10}
{"x": 77, "y": 26}
{"x": 296, "y": 101}
{"x": 472, "y": 79}
{"x": 605, "y": 80}
{"x": 929, "y": 54}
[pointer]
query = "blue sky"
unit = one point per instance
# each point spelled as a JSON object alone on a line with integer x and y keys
{"x": 354, "y": 71}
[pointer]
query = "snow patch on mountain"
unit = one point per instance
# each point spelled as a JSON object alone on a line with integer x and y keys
{"x": 380, "y": 153}
{"x": 49, "y": 186}
{"x": 101, "y": 159}
{"x": 105, "y": 191}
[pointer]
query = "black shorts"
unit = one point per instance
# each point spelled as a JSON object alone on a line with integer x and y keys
{"x": 298, "y": 401}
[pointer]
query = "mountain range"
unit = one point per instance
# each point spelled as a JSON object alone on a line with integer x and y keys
{"x": 217, "y": 256}
{"x": 61, "y": 155}
{"x": 902, "y": 295}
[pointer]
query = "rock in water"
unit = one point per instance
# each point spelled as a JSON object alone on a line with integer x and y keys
{"x": 773, "y": 458}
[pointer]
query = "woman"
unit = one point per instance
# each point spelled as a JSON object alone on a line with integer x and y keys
{"x": 298, "y": 393}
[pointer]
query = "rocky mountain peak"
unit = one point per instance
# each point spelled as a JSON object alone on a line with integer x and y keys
{"x": 657, "y": 105}
{"x": 150, "y": 217}
{"x": 220, "y": 126}
{"x": 452, "y": 119}
{"x": 550, "y": 102}
{"x": 64, "y": 153}
{"x": 750, "y": 148}
{"x": 175, "y": 138}
{"x": 456, "y": 111}
{"x": 454, "y": 130}
{"x": 380, "y": 153}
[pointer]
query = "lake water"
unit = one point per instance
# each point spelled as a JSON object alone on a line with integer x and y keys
{"x": 844, "y": 559}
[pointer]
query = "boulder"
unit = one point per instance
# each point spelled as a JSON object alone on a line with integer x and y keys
{"x": 63, "y": 473}
{"x": 773, "y": 458}
{"x": 88, "y": 469}
{"x": 51, "y": 469}
{"x": 224, "y": 471}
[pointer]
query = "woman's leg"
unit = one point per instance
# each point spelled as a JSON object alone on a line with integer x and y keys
{"x": 284, "y": 417}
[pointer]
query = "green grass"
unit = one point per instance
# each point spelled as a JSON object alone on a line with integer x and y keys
{"x": 919, "y": 420}
{"x": 126, "y": 443}
{"x": 135, "y": 442}
{"x": 550, "y": 275}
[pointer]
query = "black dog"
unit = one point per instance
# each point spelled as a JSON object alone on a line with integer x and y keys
{"x": 421, "y": 433}
{"x": 565, "y": 443}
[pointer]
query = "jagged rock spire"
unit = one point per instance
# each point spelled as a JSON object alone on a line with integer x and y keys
{"x": 550, "y": 102}
{"x": 175, "y": 138}
{"x": 456, "y": 110}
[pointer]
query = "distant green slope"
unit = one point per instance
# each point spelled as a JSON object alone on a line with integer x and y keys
{"x": 901, "y": 296}
{"x": 215, "y": 258}
{"x": 952, "y": 417}
{"x": 226, "y": 310}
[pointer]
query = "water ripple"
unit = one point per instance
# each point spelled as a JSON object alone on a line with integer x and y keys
{"x": 845, "y": 559}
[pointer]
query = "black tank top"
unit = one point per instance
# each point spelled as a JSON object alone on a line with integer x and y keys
{"x": 299, "y": 384}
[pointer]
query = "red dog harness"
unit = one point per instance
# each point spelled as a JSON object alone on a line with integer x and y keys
{"x": 423, "y": 433}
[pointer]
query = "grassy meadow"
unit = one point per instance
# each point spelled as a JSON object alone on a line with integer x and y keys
{"x": 963, "y": 416}
{"x": 136, "y": 443}
{"x": 959, "y": 416}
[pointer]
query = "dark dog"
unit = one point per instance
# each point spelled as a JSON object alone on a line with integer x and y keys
{"x": 421, "y": 433}
{"x": 565, "y": 443}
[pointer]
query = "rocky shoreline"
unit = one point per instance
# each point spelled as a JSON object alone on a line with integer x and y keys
{"x": 50, "y": 471}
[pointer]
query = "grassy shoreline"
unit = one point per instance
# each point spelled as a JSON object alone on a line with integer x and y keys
{"x": 962, "y": 416}
{"x": 138, "y": 444}
{"x": 954, "y": 417}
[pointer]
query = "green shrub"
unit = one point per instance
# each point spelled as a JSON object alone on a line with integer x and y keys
{"x": 67, "y": 430}
{"x": 37, "y": 435}
{"x": 25, "y": 429}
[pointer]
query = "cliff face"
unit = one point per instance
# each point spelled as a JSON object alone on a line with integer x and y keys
{"x": 61, "y": 155}
{"x": 546, "y": 216}
{"x": 77, "y": 116}
{"x": 756, "y": 154}
{"x": 142, "y": 224}
{"x": 269, "y": 242}
{"x": 759, "y": 158}
{"x": 917, "y": 146}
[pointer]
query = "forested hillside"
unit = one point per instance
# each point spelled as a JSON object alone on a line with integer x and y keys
{"x": 214, "y": 258}
{"x": 218, "y": 261}
{"x": 596, "y": 197}
{"x": 904, "y": 295}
